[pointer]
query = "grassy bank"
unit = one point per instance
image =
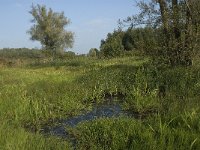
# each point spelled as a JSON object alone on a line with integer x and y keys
{"x": 35, "y": 93}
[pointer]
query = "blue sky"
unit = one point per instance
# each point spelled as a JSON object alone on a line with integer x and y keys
{"x": 91, "y": 20}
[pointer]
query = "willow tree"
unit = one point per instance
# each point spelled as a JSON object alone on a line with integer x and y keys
{"x": 179, "y": 22}
{"x": 49, "y": 29}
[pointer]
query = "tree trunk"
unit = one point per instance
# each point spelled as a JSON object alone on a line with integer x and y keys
{"x": 177, "y": 53}
{"x": 188, "y": 34}
{"x": 176, "y": 28}
{"x": 165, "y": 23}
{"x": 164, "y": 15}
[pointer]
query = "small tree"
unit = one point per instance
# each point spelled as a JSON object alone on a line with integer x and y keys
{"x": 49, "y": 29}
{"x": 93, "y": 52}
{"x": 112, "y": 46}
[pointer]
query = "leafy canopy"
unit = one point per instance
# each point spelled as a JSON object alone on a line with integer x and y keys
{"x": 112, "y": 46}
{"x": 178, "y": 21}
{"x": 49, "y": 29}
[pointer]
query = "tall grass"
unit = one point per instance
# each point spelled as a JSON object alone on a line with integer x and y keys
{"x": 126, "y": 133}
{"x": 39, "y": 93}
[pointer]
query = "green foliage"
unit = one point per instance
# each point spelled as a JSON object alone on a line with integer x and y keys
{"x": 177, "y": 22}
{"x": 34, "y": 95}
{"x": 93, "y": 52}
{"x": 128, "y": 40}
{"x": 49, "y": 29}
{"x": 143, "y": 95}
{"x": 19, "y": 57}
{"x": 145, "y": 40}
{"x": 112, "y": 46}
{"x": 20, "y": 53}
{"x": 13, "y": 137}
{"x": 142, "y": 39}
{"x": 121, "y": 133}
{"x": 126, "y": 133}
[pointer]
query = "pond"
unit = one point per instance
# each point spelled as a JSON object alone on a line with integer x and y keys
{"x": 105, "y": 110}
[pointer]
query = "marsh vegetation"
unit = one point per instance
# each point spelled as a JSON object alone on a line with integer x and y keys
{"x": 38, "y": 94}
{"x": 140, "y": 90}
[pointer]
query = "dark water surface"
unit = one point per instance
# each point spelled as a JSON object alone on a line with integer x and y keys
{"x": 106, "y": 110}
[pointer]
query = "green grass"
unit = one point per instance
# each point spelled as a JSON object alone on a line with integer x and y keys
{"x": 126, "y": 133}
{"x": 37, "y": 92}
{"x": 14, "y": 137}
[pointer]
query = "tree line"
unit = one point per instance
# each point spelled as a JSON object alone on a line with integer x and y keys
{"x": 167, "y": 30}
{"x": 144, "y": 40}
